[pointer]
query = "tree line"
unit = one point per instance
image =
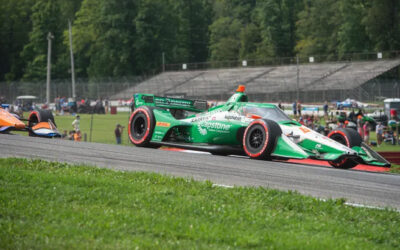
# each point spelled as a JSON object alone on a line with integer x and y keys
{"x": 128, "y": 37}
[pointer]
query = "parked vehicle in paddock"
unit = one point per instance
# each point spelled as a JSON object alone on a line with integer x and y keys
{"x": 39, "y": 123}
{"x": 258, "y": 130}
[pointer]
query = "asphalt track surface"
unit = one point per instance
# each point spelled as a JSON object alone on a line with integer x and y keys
{"x": 366, "y": 188}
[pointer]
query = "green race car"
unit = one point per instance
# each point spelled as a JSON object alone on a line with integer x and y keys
{"x": 258, "y": 130}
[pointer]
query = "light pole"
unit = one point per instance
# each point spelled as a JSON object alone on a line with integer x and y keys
{"x": 298, "y": 79}
{"x": 163, "y": 62}
{"x": 72, "y": 61}
{"x": 49, "y": 38}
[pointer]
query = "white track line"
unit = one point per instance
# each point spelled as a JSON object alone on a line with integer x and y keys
{"x": 222, "y": 185}
{"x": 364, "y": 206}
{"x": 239, "y": 156}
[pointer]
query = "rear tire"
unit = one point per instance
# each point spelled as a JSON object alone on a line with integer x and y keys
{"x": 40, "y": 115}
{"x": 349, "y": 138}
{"x": 141, "y": 126}
{"x": 260, "y": 138}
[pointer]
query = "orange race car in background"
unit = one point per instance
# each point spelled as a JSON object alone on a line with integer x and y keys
{"x": 39, "y": 123}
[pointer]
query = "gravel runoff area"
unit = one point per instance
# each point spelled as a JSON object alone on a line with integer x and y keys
{"x": 358, "y": 187}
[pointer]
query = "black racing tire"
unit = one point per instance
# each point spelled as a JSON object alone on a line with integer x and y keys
{"x": 346, "y": 136}
{"x": 349, "y": 138}
{"x": 40, "y": 115}
{"x": 344, "y": 163}
{"x": 260, "y": 137}
{"x": 141, "y": 126}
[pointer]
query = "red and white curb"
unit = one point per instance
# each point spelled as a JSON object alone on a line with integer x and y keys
{"x": 360, "y": 167}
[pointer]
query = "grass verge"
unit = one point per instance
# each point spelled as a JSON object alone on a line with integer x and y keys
{"x": 46, "y": 205}
{"x": 394, "y": 168}
{"x": 103, "y": 126}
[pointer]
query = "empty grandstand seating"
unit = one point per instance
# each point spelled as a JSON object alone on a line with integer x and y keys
{"x": 270, "y": 79}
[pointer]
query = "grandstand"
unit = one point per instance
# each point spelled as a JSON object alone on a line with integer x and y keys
{"x": 313, "y": 81}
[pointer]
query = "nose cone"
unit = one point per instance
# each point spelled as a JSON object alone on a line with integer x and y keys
{"x": 7, "y": 119}
{"x": 19, "y": 125}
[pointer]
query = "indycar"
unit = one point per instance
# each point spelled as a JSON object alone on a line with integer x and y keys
{"x": 257, "y": 130}
{"x": 39, "y": 123}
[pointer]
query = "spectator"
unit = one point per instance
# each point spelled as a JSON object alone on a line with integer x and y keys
{"x": 360, "y": 126}
{"x": 62, "y": 105}
{"x": 352, "y": 115}
{"x": 325, "y": 107}
{"x": 392, "y": 124}
{"x": 106, "y": 105}
{"x": 326, "y": 130}
{"x": 77, "y": 135}
{"x": 379, "y": 133}
{"x": 76, "y": 123}
{"x": 310, "y": 123}
{"x": 301, "y": 121}
{"x": 359, "y": 113}
{"x": 280, "y": 106}
{"x": 118, "y": 133}
{"x": 71, "y": 135}
{"x": 57, "y": 103}
{"x": 64, "y": 135}
{"x": 294, "y": 107}
{"x": 299, "y": 108}
{"x": 366, "y": 132}
{"x": 393, "y": 114}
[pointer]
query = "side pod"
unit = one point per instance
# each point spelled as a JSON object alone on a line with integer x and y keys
{"x": 45, "y": 129}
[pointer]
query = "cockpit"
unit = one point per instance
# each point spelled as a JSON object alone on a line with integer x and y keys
{"x": 271, "y": 113}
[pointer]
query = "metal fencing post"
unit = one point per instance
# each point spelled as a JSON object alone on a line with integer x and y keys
{"x": 91, "y": 128}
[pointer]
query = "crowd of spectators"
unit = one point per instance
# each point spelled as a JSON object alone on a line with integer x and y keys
{"x": 75, "y": 134}
{"x": 354, "y": 120}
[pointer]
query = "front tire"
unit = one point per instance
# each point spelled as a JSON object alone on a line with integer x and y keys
{"x": 141, "y": 126}
{"x": 344, "y": 163}
{"x": 349, "y": 138}
{"x": 260, "y": 138}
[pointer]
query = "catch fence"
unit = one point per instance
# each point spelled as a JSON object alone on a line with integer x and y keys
{"x": 309, "y": 79}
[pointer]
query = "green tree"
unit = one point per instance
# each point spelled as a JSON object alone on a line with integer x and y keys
{"x": 44, "y": 19}
{"x": 382, "y": 22}
{"x": 156, "y": 29}
{"x": 250, "y": 41}
{"x": 224, "y": 39}
{"x": 194, "y": 17}
{"x": 104, "y": 36}
{"x": 232, "y": 34}
{"x": 352, "y": 36}
{"x": 48, "y": 16}
{"x": 15, "y": 26}
{"x": 317, "y": 28}
{"x": 276, "y": 19}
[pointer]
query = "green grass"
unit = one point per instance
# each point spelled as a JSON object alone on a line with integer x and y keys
{"x": 394, "y": 168}
{"x": 103, "y": 126}
{"x": 384, "y": 147}
{"x": 58, "y": 206}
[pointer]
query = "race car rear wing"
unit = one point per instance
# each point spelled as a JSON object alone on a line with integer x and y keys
{"x": 170, "y": 103}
